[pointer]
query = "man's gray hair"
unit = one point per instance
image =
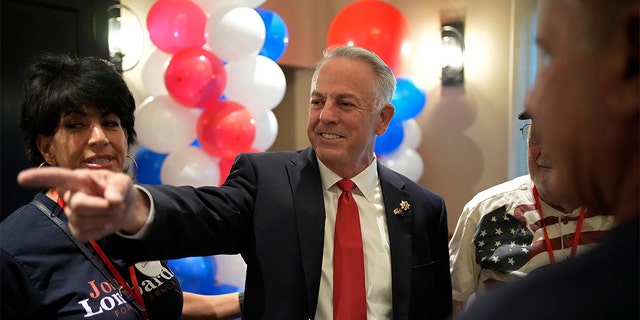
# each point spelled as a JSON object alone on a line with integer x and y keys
{"x": 384, "y": 76}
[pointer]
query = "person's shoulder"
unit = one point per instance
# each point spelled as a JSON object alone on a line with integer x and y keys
{"x": 272, "y": 154}
{"x": 406, "y": 183}
{"x": 518, "y": 185}
{"x": 521, "y": 183}
{"x": 20, "y": 217}
{"x": 276, "y": 155}
{"x": 270, "y": 160}
{"x": 26, "y": 220}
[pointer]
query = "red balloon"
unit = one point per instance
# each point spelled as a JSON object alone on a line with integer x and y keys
{"x": 374, "y": 25}
{"x": 175, "y": 25}
{"x": 195, "y": 77}
{"x": 226, "y": 129}
{"x": 225, "y": 165}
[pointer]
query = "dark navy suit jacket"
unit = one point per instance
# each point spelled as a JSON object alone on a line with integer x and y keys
{"x": 271, "y": 211}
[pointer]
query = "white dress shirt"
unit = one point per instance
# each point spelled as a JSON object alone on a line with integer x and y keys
{"x": 375, "y": 240}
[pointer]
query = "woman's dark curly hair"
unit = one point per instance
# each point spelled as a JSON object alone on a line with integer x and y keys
{"x": 57, "y": 84}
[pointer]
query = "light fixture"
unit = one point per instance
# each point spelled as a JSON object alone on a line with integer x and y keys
{"x": 452, "y": 53}
{"x": 126, "y": 37}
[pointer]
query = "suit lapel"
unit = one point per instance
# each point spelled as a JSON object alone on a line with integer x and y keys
{"x": 400, "y": 240}
{"x": 304, "y": 178}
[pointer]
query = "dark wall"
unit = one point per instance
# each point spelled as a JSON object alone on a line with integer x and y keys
{"x": 77, "y": 27}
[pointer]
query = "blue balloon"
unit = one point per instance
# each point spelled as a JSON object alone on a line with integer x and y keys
{"x": 149, "y": 165}
{"x": 391, "y": 139}
{"x": 277, "y": 34}
{"x": 196, "y": 274}
{"x": 222, "y": 289}
{"x": 408, "y": 99}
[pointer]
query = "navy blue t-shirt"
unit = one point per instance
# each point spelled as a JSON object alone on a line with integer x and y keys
{"x": 45, "y": 276}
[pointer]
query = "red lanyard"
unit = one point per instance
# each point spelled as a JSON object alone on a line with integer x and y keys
{"x": 135, "y": 291}
{"x": 576, "y": 236}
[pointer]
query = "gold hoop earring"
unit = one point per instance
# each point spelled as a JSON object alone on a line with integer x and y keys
{"x": 135, "y": 164}
{"x": 43, "y": 163}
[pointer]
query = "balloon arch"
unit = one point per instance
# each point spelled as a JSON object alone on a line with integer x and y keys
{"x": 213, "y": 82}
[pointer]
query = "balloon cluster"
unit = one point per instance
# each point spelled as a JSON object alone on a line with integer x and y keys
{"x": 381, "y": 28}
{"x": 213, "y": 82}
{"x": 198, "y": 275}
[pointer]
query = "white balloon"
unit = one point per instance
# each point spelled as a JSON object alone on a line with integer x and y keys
{"x": 190, "y": 166}
{"x": 404, "y": 161}
{"x": 153, "y": 73}
{"x": 258, "y": 83}
{"x": 266, "y": 130}
{"x": 412, "y": 134}
{"x": 231, "y": 269}
{"x": 164, "y": 126}
{"x": 210, "y": 7}
{"x": 236, "y": 35}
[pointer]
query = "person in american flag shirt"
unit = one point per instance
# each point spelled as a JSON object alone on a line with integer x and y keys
{"x": 508, "y": 230}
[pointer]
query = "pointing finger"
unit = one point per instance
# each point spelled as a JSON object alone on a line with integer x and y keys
{"x": 48, "y": 177}
{"x": 91, "y": 182}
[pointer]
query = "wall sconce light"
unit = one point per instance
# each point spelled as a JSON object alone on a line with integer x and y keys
{"x": 452, "y": 51}
{"x": 126, "y": 37}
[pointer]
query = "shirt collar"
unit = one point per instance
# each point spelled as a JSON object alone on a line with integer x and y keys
{"x": 366, "y": 180}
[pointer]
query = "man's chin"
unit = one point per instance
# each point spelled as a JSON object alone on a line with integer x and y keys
{"x": 329, "y": 155}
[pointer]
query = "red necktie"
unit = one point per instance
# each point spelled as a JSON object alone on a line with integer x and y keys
{"x": 349, "y": 296}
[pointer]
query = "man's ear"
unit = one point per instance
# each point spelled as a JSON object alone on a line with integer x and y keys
{"x": 386, "y": 114}
{"x": 44, "y": 145}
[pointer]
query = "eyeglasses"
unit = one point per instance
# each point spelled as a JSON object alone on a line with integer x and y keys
{"x": 525, "y": 132}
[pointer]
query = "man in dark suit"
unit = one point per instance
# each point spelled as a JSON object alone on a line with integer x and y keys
{"x": 279, "y": 209}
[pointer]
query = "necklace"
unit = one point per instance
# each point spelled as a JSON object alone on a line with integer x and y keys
{"x": 576, "y": 236}
{"x": 133, "y": 290}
